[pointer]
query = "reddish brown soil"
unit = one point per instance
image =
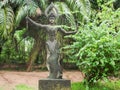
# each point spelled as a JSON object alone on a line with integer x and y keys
{"x": 9, "y": 79}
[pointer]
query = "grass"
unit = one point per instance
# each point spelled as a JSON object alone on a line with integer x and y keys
{"x": 110, "y": 85}
{"x": 99, "y": 86}
{"x": 1, "y": 88}
{"x": 23, "y": 87}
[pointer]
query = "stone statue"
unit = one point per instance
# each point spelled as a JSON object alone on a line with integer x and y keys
{"x": 52, "y": 45}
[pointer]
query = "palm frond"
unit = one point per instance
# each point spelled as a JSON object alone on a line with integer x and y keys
{"x": 1, "y": 21}
{"x": 3, "y": 3}
{"x": 21, "y": 13}
{"x": 32, "y": 6}
{"x": 65, "y": 11}
{"x": 80, "y": 7}
{"x": 24, "y": 9}
{"x": 43, "y": 4}
{"x": 9, "y": 18}
{"x": 6, "y": 21}
{"x": 17, "y": 2}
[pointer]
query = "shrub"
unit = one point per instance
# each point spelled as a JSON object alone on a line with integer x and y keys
{"x": 97, "y": 46}
{"x": 99, "y": 54}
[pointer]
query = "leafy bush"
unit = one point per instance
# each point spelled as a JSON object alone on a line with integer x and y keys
{"x": 16, "y": 50}
{"x": 97, "y": 46}
{"x": 99, "y": 53}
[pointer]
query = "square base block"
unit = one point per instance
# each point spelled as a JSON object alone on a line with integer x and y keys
{"x": 54, "y": 84}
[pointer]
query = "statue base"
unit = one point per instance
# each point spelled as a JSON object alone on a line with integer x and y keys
{"x": 54, "y": 84}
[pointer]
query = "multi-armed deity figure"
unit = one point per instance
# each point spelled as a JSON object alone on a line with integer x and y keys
{"x": 52, "y": 45}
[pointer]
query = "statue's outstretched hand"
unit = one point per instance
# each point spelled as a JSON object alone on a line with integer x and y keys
{"x": 35, "y": 23}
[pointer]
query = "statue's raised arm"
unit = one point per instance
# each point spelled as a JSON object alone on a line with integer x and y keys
{"x": 37, "y": 24}
{"x": 51, "y": 9}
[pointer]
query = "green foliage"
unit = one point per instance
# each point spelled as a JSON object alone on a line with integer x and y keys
{"x": 12, "y": 13}
{"x": 78, "y": 86}
{"x": 16, "y": 50}
{"x": 1, "y": 88}
{"x": 80, "y": 8}
{"x": 26, "y": 7}
{"x": 23, "y": 87}
{"x": 65, "y": 10}
{"x": 99, "y": 54}
{"x": 10, "y": 18}
{"x": 117, "y": 4}
{"x": 6, "y": 21}
{"x": 73, "y": 11}
{"x": 114, "y": 85}
{"x": 97, "y": 46}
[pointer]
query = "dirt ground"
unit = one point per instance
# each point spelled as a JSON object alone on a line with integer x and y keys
{"x": 9, "y": 79}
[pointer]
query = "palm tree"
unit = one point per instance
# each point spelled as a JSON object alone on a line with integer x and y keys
{"x": 13, "y": 12}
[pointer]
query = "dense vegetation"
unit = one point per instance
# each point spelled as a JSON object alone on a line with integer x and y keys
{"x": 95, "y": 48}
{"x": 23, "y": 43}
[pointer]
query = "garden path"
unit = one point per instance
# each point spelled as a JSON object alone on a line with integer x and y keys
{"x": 9, "y": 79}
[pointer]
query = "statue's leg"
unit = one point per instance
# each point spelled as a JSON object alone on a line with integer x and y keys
{"x": 52, "y": 70}
{"x": 49, "y": 69}
{"x": 60, "y": 69}
{"x": 59, "y": 74}
{"x": 56, "y": 71}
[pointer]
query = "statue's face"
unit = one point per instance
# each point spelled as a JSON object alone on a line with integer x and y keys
{"x": 52, "y": 20}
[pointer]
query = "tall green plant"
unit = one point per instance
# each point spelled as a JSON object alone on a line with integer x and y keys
{"x": 12, "y": 12}
{"x": 97, "y": 46}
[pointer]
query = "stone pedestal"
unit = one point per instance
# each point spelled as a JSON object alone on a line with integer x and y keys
{"x": 54, "y": 84}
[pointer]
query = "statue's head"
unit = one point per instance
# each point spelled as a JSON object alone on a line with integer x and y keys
{"x": 52, "y": 18}
{"x": 51, "y": 12}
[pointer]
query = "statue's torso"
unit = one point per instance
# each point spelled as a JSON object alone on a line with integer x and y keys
{"x": 52, "y": 45}
{"x": 51, "y": 31}
{"x": 53, "y": 51}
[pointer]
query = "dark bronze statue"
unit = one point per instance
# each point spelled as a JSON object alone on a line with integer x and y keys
{"x": 52, "y": 45}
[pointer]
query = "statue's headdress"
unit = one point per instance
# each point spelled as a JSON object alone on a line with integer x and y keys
{"x": 51, "y": 11}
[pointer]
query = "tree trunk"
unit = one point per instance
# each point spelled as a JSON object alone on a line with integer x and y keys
{"x": 33, "y": 55}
